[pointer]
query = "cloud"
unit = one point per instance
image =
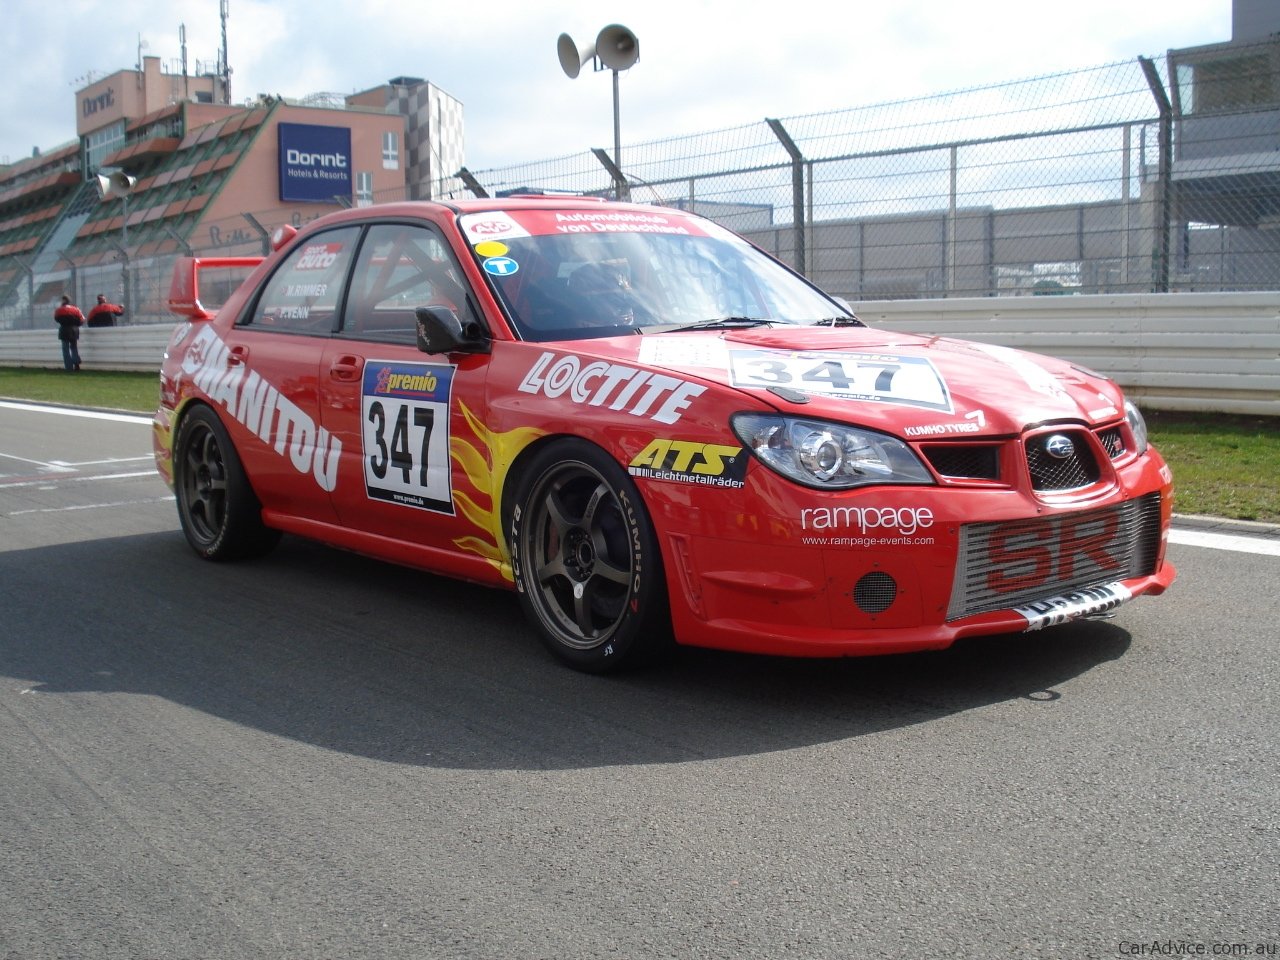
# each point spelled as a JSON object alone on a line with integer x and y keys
{"x": 704, "y": 64}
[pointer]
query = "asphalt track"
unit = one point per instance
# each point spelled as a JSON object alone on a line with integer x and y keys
{"x": 317, "y": 755}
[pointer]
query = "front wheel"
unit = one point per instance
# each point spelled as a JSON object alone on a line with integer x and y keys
{"x": 586, "y": 561}
{"x": 220, "y": 514}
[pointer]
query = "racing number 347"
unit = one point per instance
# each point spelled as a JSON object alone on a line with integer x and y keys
{"x": 406, "y": 452}
{"x": 398, "y": 453}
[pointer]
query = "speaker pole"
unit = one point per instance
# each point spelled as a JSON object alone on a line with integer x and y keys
{"x": 620, "y": 192}
{"x": 617, "y": 49}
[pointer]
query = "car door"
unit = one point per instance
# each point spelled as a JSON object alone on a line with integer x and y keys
{"x": 399, "y": 414}
{"x": 276, "y": 345}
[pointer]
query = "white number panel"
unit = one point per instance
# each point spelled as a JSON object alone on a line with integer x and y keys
{"x": 852, "y": 376}
{"x": 405, "y": 433}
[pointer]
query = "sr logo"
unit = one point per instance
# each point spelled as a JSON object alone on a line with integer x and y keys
{"x": 1059, "y": 551}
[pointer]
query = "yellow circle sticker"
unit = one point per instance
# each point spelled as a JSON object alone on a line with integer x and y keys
{"x": 491, "y": 248}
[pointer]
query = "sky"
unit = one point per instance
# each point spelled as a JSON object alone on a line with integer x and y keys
{"x": 704, "y": 64}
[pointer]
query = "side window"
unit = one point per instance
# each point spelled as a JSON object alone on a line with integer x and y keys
{"x": 302, "y": 296}
{"x": 401, "y": 267}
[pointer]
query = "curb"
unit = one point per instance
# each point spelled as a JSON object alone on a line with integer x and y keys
{"x": 1248, "y": 528}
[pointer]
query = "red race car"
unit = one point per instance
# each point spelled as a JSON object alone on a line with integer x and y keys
{"x": 652, "y": 432}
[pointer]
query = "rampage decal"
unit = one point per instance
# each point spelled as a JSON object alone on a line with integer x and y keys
{"x": 262, "y": 410}
{"x": 641, "y": 393}
{"x": 405, "y": 433}
{"x": 686, "y": 461}
{"x": 878, "y": 377}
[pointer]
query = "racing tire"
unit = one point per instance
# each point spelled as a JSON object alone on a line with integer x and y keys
{"x": 586, "y": 562}
{"x": 220, "y": 514}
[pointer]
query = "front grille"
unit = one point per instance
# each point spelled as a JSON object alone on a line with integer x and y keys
{"x": 964, "y": 461}
{"x": 1003, "y": 565}
{"x": 1079, "y": 468}
{"x": 1112, "y": 441}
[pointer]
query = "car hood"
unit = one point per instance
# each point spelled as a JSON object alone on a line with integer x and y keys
{"x": 902, "y": 383}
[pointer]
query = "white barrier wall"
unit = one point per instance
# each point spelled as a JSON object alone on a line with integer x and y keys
{"x": 1180, "y": 351}
{"x": 101, "y": 348}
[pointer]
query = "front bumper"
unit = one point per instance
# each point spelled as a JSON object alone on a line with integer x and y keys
{"x": 903, "y": 572}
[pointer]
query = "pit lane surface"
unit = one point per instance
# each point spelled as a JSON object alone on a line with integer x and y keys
{"x": 316, "y": 755}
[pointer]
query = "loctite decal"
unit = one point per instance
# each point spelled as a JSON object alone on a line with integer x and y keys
{"x": 615, "y": 386}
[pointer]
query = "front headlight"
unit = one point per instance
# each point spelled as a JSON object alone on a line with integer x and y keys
{"x": 1138, "y": 426}
{"x": 830, "y": 456}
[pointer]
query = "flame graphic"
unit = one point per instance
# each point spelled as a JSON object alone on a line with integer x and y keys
{"x": 485, "y": 467}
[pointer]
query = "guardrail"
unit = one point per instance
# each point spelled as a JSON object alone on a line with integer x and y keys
{"x": 1214, "y": 352}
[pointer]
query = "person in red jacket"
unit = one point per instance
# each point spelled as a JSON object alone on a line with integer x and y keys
{"x": 69, "y": 320}
{"x": 104, "y": 314}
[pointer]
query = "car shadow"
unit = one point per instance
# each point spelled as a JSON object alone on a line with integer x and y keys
{"x": 349, "y": 654}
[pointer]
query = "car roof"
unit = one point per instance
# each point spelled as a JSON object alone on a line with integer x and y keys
{"x": 436, "y": 208}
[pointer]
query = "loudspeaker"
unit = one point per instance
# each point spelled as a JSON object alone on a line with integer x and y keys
{"x": 571, "y": 56}
{"x": 615, "y": 45}
{"x": 118, "y": 184}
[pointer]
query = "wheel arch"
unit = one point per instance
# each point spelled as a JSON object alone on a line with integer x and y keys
{"x": 517, "y": 474}
{"x": 183, "y": 413}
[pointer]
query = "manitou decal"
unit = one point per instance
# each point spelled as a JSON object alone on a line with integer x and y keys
{"x": 260, "y": 408}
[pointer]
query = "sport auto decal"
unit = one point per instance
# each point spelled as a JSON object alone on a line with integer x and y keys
{"x": 318, "y": 256}
{"x": 687, "y": 461}
{"x": 261, "y": 409}
{"x": 619, "y": 387}
{"x": 883, "y": 378}
{"x": 405, "y": 433}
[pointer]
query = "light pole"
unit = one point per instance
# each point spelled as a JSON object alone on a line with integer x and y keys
{"x": 616, "y": 48}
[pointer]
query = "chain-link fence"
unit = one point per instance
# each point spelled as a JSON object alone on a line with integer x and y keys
{"x": 1132, "y": 177}
{"x": 1140, "y": 176}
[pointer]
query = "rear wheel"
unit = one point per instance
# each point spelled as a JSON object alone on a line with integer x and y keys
{"x": 586, "y": 561}
{"x": 220, "y": 515}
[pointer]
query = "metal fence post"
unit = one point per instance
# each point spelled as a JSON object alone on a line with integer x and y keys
{"x": 1164, "y": 191}
{"x": 621, "y": 189}
{"x": 797, "y": 190}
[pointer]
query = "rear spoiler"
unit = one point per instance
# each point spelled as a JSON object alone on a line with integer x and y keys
{"x": 184, "y": 288}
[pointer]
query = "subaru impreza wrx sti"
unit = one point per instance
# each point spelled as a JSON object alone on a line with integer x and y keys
{"x": 649, "y": 430}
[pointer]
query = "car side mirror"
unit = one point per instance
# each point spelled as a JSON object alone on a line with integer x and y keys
{"x": 440, "y": 330}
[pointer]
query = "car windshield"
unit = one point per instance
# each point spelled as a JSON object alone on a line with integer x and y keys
{"x": 567, "y": 274}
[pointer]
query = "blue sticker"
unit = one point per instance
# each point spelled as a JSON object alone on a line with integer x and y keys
{"x": 501, "y": 266}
